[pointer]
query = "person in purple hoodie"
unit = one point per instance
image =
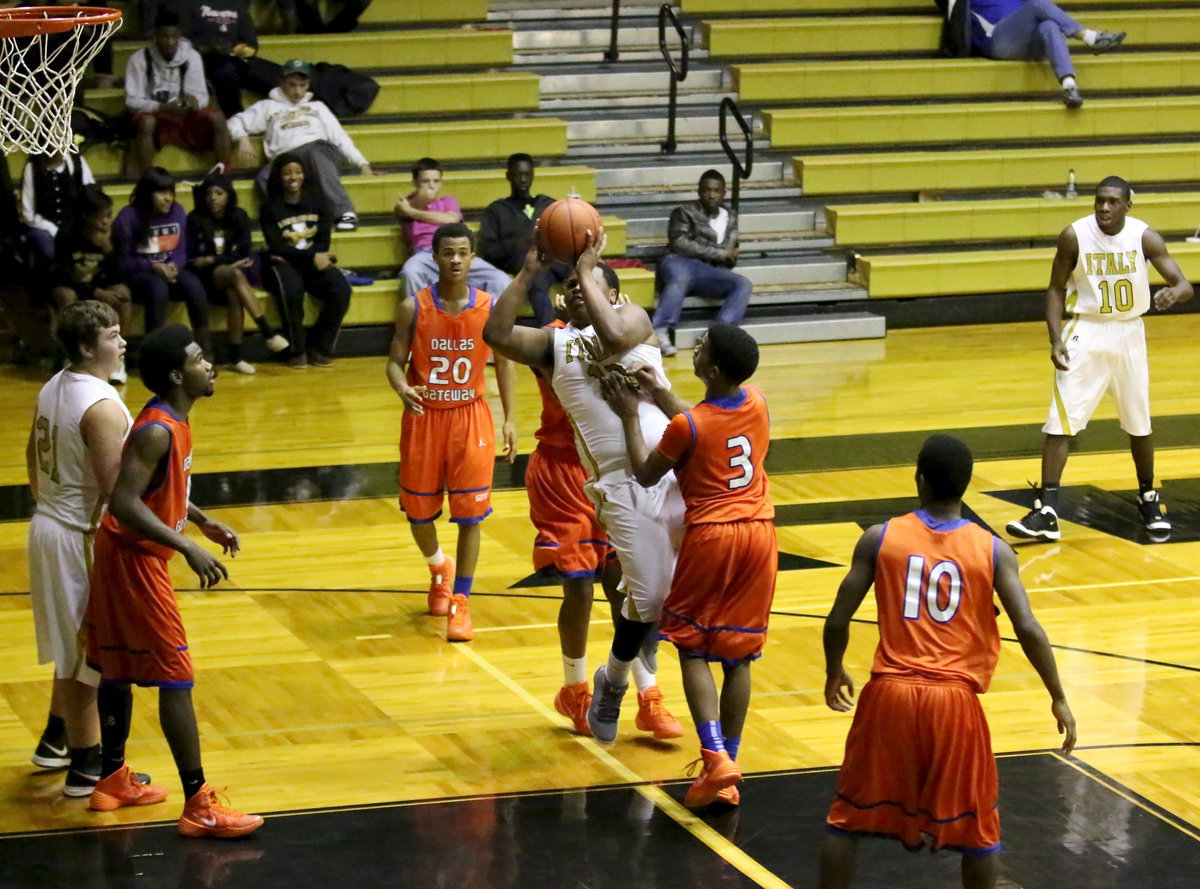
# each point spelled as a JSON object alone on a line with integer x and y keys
{"x": 150, "y": 241}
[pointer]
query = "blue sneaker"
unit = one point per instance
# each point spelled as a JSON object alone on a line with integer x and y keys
{"x": 605, "y": 710}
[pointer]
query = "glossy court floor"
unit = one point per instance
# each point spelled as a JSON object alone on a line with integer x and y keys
{"x": 385, "y": 756}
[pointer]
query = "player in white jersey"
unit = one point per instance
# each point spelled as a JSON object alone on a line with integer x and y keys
{"x": 1100, "y": 282}
{"x": 643, "y": 524}
{"x": 73, "y": 455}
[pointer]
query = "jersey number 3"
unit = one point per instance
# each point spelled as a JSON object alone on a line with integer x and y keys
{"x": 740, "y": 460}
{"x": 932, "y": 587}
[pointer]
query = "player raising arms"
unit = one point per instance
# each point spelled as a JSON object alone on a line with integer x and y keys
{"x": 919, "y": 756}
{"x": 447, "y": 442}
{"x": 724, "y": 580}
{"x": 642, "y": 524}
{"x": 134, "y": 631}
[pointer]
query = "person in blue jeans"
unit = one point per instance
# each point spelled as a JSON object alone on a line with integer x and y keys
{"x": 1032, "y": 30}
{"x": 702, "y": 249}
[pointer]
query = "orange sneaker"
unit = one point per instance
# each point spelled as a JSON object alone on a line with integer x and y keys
{"x": 652, "y": 716}
{"x": 729, "y": 796}
{"x": 719, "y": 772}
{"x": 458, "y": 624}
{"x": 123, "y": 788}
{"x": 205, "y": 816}
{"x": 572, "y": 702}
{"x": 441, "y": 579}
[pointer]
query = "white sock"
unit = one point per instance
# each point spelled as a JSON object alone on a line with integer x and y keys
{"x": 642, "y": 677}
{"x": 1089, "y": 36}
{"x": 574, "y": 670}
{"x": 437, "y": 558}
{"x": 617, "y": 671}
{"x": 1068, "y": 82}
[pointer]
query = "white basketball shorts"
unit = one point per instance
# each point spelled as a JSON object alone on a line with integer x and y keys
{"x": 59, "y": 563}
{"x": 1104, "y": 355}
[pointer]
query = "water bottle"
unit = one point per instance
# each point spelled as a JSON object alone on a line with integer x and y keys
{"x": 1071, "y": 193}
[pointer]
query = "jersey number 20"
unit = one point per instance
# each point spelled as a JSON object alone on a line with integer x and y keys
{"x": 931, "y": 584}
{"x": 740, "y": 460}
{"x": 459, "y": 372}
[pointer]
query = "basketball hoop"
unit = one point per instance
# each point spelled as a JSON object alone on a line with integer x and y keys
{"x": 43, "y": 53}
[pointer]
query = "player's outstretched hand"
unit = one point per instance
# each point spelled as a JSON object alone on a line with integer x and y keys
{"x": 509, "y": 431}
{"x": 207, "y": 566}
{"x": 220, "y": 533}
{"x": 617, "y": 392}
{"x": 1066, "y": 725}
{"x": 839, "y": 692}
{"x": 1059, "y": 356}
{"x": 413, "y": 398}
{"x": 590, "y": 257}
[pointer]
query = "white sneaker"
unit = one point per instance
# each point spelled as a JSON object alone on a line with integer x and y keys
{"x": 664, "y": 344}
{"x": 243, "y": 367}
{"x": 276, "y": 343}
{"x": 119, "y": 376}
{"x": 347, "y": 223}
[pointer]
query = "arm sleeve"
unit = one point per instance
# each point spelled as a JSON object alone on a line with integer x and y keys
{"x": 193, "y": 239}
{"x": 247, "y": 33}
{"x": 681, "y": 240}
{"x": 489, "y": 245}
{"x": 678, "y": 437}
{"x": 324, "y": 230}
{"x": 85, "y": 172}
{"x": 252, "y": 121}
{"x": 124, "y": 238}
{"x": 242, "y": 248}
{"x": 178, "y": 256}
{"x": 136, "y": 99}
{"x": 194, "y": 84}
{"x": 731, "y": 233}
{"x": 339, "y": 137}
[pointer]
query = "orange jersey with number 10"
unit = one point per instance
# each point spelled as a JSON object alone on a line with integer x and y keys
{"x": 718, "y": 449}
{"x": 449, "y": 355}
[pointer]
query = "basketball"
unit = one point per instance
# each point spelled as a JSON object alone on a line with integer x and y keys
{"x": 563, "y": 227}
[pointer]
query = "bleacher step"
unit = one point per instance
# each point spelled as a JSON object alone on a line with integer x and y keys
{"x": 750, "y": 222}
{"x": 650, "y": 81}
{"x": 663, "y": 172}
{"x": 791, "y": 329}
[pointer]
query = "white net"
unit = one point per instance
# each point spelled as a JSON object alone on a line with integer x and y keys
{"x": 43, "y": 54}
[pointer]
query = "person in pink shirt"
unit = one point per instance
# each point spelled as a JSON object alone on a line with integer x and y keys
{"x": 420, "y": 213}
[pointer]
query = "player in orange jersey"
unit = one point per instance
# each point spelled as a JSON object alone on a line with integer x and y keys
{"x": 724, "y": 579}
{"x": 918, "y": 758}
{"x": 134, "y": 631}
{"x": 447, "y": 443}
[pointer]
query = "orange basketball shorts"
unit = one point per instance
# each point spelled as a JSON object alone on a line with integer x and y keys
{"x": 451, "y": 449}
{"x": 568, "y": 535}
{"x": 722, "y": 590}
{"x": 919, "y": 764}
{"x": 133, "y": 629}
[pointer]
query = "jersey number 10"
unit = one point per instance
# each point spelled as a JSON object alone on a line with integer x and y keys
{"x": 932, "y": 587}
{"x": 1122, "y": 290}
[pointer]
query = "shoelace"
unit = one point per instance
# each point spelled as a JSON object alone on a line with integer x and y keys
{"x": 691, "y": 766}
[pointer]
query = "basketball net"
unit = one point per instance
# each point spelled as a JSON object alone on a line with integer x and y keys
{"x": 43, "y": 54}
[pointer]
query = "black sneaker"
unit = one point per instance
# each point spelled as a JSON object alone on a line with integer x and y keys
{"x": 1153, "y": 518}
{"x": 1071, "y": 97}
{"x": 1040, "y": 523}
{"x": 49, "y": 755}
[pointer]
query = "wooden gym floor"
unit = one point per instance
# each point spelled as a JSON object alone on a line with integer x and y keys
{"x": 327, "y": 696}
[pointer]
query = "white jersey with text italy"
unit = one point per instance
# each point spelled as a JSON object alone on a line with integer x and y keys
{"x": 1111, "y": 281}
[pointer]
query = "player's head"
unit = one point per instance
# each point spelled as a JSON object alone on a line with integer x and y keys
{"x": 88, "y": 330}
{"x": 725, "y": 354}
{"x": 288, "y": 177}
{"x": 167, "y": 33}
{"x": 427, "y": 177}
{"x": 519, "y": 173}
{"x": 154, "y": 193}
{"x": 93, "y": 209}
{"x": 171, "y": 359}
{"x": 1114, "y": 197}
{"x": 711, "y": 190}
{"x": 605, "y": 277}
{"x": 453, "y": 250}
{"x": 295, "y": 79}
{"x": 943, "y": 469}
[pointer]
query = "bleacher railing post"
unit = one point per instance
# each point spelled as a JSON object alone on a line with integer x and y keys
{"x": 679, "y": 71}
{"x": 740, "y": 171}
{"x": 613, "y": 53}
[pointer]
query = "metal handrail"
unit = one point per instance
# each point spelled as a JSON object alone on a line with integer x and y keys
{"x": 679, "y": 71}
{"x": 613, "y": 53}
{"x": 740, "y": 172}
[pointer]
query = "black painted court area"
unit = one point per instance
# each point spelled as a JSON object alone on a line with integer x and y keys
{"x": 1063, "y": 829}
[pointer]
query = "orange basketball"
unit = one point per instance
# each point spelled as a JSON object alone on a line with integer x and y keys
{"x": 563, "y": 227}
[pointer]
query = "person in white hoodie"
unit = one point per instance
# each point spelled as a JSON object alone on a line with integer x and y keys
{"x": 167, "y": 98}
{"x": 291, "y": 120}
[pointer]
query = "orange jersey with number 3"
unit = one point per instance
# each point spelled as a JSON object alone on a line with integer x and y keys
{"x": 718, "y": 449}
{"x": 449, "y": 356}
{"x": 933, "y": 586}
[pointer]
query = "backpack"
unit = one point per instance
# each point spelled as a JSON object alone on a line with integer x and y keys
{"x": 92, "y": 127}
{"x": 344, "y": 90}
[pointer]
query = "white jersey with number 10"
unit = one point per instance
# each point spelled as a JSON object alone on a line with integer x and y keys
{"x": 1111, "y": 281}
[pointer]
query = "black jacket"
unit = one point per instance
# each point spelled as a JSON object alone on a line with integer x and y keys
{"x": 202, "y": 228}
{"x": 506, "y": 232}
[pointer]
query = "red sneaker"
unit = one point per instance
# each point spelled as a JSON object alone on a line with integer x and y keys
{"x": 719, "y": 772}
{"x": 441, "y": 580}
{"x": 652, "y": 716}
{"x": 572, "y": 702}
{"x": 205, "y": 816}
{"x": 123, "y": 788}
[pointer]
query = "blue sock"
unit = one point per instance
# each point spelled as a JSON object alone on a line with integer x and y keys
{"x": 462, "y": 585}
{"x": 731, "y": 746}
{"x": 710, "y": 735}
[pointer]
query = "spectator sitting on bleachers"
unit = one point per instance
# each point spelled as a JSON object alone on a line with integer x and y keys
{"x": 167, "y": 98}
{"x": 150, "y": 240}
{"x": 1032, "y": 30}
{"x": 219, "y": 254}
{"x": 50, "y": 188}
{"x": 223, "y": 32}
{"x": 420, "y": 213}
{"x": 85, "y": 264}
{"x": 506, "y": 234}
{"x": 702, "y": 249}
{"x": 304, "y": 16}
{"x": 292, "y": 121}
{"x": 298, "y": 228}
